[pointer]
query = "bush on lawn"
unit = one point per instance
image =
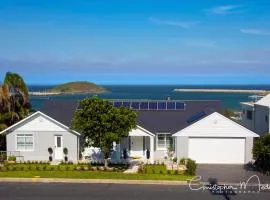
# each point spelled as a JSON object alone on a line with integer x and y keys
{"x": 191, "y": 167}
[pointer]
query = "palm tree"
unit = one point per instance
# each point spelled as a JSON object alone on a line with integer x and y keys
{"x": 14, "y": 100}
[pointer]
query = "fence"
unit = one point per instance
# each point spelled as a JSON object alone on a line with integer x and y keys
{"x": 5, "y": 154}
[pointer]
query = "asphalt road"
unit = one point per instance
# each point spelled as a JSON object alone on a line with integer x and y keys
{"x": 65, "y": 191}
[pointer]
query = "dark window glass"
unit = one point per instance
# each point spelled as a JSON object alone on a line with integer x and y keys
{"x": 249, "y": 114}
{"x": 58, "y": 141}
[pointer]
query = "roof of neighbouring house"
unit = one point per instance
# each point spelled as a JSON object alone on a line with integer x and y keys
{"x": 155, "y": 121}
{"x": 265, "y": 101}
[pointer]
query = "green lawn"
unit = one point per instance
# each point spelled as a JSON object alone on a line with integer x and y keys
{"x": 92, "y": 175}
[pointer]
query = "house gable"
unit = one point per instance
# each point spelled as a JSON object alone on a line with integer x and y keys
{"x": 216, "y": 125}
{"x": 38, "y": 122}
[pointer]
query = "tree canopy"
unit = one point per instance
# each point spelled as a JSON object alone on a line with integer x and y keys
{"x": 14, "y": 100}
{"x": 102, "y": 124}
{"x": 261, "y": 152}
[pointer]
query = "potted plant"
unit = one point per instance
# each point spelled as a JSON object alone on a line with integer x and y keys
{"x": 65, "y": 151}
{"x": 50, "y": 150}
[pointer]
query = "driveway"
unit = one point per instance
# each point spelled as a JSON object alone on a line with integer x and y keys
{"x": 229, "y": 173}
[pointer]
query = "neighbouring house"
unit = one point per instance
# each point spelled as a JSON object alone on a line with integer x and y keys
{"x": 30, "y": 138}
{"x": 193, "y": 129}
{"x": 255, "y": 115}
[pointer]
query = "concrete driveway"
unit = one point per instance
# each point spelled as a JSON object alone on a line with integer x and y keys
{"x": 228, "y": 173}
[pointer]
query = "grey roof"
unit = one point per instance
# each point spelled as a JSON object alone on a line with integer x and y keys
{"x": 155, "y": 121}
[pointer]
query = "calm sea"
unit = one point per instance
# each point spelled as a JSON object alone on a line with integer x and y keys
{"x": 158, "y": 92}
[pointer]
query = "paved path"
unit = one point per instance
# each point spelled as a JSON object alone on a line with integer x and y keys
{"x": 64, "y": 191}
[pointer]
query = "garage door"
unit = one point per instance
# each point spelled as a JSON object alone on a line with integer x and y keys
{"x": 217, "y": 150}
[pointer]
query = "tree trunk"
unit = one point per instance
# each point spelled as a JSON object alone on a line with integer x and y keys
{"x": 106, "y": 162}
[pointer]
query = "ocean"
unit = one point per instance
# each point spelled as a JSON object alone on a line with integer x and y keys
{"x": 158, "y": 92}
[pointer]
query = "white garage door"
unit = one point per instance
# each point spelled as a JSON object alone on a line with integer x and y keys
{"x": 217, "y": 150}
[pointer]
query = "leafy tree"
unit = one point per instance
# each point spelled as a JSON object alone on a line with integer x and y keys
{"x": 261, "y": 152}
{"x": 102, "y": 124}
{"x": 14, "y": 101}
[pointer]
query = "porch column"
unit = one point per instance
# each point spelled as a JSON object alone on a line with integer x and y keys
{"x": 151, "y": 149}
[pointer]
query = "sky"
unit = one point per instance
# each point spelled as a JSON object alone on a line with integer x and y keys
{"x": 136, "y": 41}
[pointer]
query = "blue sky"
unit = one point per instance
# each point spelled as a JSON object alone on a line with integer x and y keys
{"x": 136, "y": 41}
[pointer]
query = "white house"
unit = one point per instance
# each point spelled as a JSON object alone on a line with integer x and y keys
{"x": 255, "y": 115}
{"x": 192, "y": 128}
{"x": 30, "y": 138}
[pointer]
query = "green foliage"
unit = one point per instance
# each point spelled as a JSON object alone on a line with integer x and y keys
{"x": 191, "y": 167}
{"x": 11, "y": 158}
{"x": 102, "y": 124}
{"x": 229, "y": 113}
{"x": 50, "y": 150}
{"x": 14, "y": 102}
{"x": 65, "y": 151}
{"x": 261, "y": 152}
{"x": 182, "y": 161}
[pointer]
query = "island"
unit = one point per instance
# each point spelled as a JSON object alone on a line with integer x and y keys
{"x": 78, "y": 87}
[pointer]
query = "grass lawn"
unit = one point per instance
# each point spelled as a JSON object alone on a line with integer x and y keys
{"x": 92, "y": 175}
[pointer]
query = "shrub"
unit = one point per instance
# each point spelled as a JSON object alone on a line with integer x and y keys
{"x": 168, "y": 172}
{"x": 14, "y": 168}
{"x": 58, "y": 167}
{"x": 161, "y": 171}
{"x": 29, "y": 167}
{"x": 11, "y": 158}
{"x": 22, "y": 168}
{"x": 67, "y": 167}
{"x": 176, "y": 172}
{"x": 44, "y": 167}
{"x": 174, "y": 160}
{"x": 182, "y": 161}
{"x": 7, "y": 168}
{"x": 153, "y": 171}
{"x": 191, "y": 167}
{"x": 37, "y": 168}
{"x": 52, "y": 168}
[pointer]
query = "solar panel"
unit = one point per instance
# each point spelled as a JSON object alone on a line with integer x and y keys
{"x": 153, "y": 106}
{"x": 117, "y": 104}
{"x": 180, "y": 106}
{"x": 144, "y": 106}
{"x": 170, "y": 105}
{"x": 135, "y": 105}
{"x": 126, "y": 104}
{"x": 162, "y": 106}
{"x": 196, "y": 117}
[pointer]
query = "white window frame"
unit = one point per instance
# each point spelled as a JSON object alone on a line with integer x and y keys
{"x": 25, "y": 135}
{"x": 166, "y": 136}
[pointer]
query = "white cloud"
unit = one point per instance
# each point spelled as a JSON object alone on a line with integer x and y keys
{"x": 181, "y": 24}
{"x": 255, "y": 31}
{"x": 226, "y": 9}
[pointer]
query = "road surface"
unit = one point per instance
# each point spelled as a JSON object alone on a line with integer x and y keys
{"x": 66, "y": 191}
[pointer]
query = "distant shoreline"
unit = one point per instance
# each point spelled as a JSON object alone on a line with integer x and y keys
{"x": 223, "y": 91}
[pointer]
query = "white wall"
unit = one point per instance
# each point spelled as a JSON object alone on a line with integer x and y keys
{"x": 261, "y": 125}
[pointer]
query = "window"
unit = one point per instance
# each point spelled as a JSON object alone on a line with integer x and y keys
{"x": 164, "y": 141}
{"x": 249, "y": 114}
{"x": 25, "y": 142}
{"x": 266, "y": 118}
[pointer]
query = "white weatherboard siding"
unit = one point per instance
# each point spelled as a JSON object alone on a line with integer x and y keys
{"x": 44, "y": 130}
{"x": 217, "y": 150}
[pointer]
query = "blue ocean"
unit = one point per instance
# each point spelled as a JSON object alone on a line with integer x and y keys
{"x": 158, "y": 92}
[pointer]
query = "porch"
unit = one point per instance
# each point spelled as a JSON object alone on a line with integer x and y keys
{"x": 139, "y": 145}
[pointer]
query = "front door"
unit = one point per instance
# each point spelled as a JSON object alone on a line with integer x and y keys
{"x": 136, "y": 146}
{"x": 58, "y": 151}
